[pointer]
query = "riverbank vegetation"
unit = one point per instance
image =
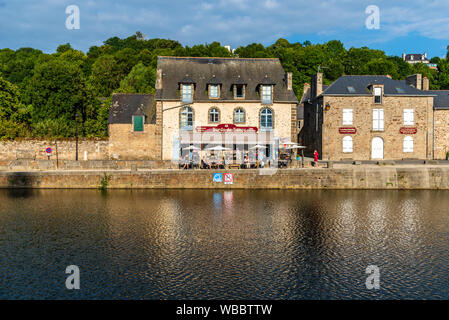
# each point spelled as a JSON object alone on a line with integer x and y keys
{"x": 40, "y": 93}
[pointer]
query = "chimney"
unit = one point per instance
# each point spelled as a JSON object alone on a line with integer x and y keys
{"x": 425, "y": 84}
{"x": 158, "y": 79}
{"x": 289, "y": 81}
{"x": 388, "y": 76}
{"x": 304, "y": 91}
{"x": 403, "y": 56}
{"x": 316, "y": 85}
{"x": 415, "y": 81}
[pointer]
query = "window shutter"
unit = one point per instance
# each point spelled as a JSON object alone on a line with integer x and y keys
{"x": 409, "y": 117}
{"x": 408, "y": 144}
{"x": 381, "y": 119}
{"x": 138, "y": 123}
{"x": 347, "y": 144}
{"x": 348, "y": 117}
{"x": 375, "y": 119}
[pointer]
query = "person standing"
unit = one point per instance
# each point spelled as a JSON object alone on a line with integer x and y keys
{"x": 315, "y": 157}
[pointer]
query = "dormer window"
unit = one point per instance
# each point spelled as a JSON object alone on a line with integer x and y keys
{"x": 187, "y": 93}
{"x": 214, "y": 91}
{"x": 267, "y": 94}
{"x": 378, "y": 95}
{"x": 239, "y": 91}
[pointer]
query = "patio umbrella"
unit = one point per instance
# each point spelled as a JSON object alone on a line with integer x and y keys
{"x": 258, "y": 146}
{"x": 297, "y": 147}
{"x": 217, "y": 148}
{"x": 191, "y": 148}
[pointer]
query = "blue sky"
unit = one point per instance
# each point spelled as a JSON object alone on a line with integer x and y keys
{"x": 413, "y": 26}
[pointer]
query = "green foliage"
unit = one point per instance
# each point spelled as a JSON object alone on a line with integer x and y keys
{"x": 141, "y": 79}
{"x": 40, "y": 93}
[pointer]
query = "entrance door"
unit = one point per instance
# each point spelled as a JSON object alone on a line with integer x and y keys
{"x": 377, "y": 148}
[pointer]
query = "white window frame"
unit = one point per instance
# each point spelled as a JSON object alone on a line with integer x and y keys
{"x": 265, "y": 115}
{"x": 267, "y": 94}
{"x": 186, "y": 121}
{"x": 408, "y": 144}
{"x": 409, "y": 117}
{"x": 214, "y": 115}
{"x": 187, "y": 92}
{"x": 348, "y": 144}
{"x": 378, "y": 93}
{"x": 348, "y": 117}
{"x": 378, "y": 120}
{"x": 214, "y": 91}
{"x": 239, "y": 115}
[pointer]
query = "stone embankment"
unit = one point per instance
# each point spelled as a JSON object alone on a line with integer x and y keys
{"x": 346, "y": 177}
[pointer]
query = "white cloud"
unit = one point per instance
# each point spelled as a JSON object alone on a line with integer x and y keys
{"x": 234, "y": 22}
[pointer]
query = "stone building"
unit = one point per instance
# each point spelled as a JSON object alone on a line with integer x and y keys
{"x": 441, "y": 123}
{"x": 202, "y": 102}
{"x": 133, "y": 132}
{"x": 375, "y": 117}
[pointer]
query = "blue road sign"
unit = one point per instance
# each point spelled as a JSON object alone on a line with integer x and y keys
{"x": 218, "y": 177}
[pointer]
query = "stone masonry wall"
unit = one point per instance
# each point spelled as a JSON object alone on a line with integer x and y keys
{"x": 428, "y": 177}
{"x": 66, "y": 150}
{"x": 125, "y": 144}
{"x": 332, "y": 141}
{"x": 441, "y": 133}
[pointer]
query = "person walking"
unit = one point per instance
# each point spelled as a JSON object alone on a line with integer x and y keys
{"x": 315, "y": 157}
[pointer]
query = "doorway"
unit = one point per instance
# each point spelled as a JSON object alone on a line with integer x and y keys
{"x": 377, "y": 148}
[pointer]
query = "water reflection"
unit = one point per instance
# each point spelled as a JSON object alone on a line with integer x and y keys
{"x": 228, "y": 244}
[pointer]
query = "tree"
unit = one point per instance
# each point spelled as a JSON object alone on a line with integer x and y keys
{"x": 57, "y": 91}
{"x": 105, "y": 76}
{"x": 141, "y": 79}
{"x": 13, "y": 114}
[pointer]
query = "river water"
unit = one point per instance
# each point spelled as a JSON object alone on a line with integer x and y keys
{"x": 244, "y": 244}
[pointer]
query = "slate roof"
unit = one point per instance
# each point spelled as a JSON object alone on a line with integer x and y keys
{"x": 228, "y": 71}
{"x": 125, "y": 105}
{"x": 441, "y": 100}
{"x": 361, "y": 86}
{"x": 416, "y": 57}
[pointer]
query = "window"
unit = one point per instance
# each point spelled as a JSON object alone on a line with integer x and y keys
{"x": 239, "y": 91}
{"x": 378, "y": 95}
{"x": 347, "y": 117}
{"x": 348, "y": 144}
{"x": 187, "y": 118}
{"x": 138, "y": 123}
{"x": 399, "y": 90}
{"x": 351, "y": 89}
{"x": 187, "y": 93}
{"x": 266, "y": 119}
{"x": 213, "y": 91}
{"x": 408, "y": 144}
{"x": 409, "y": 117}
{"x": 214, "y": 115}
{"x": 239, "y": 116}
{"x": 378, "y": 119}
{"x": 267, "y": 94}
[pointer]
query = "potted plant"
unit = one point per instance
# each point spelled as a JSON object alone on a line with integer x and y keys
{"x": 447, "y": 155}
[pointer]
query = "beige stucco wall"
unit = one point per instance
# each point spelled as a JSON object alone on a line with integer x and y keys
{"x": 393, "y": 122}
{"x": 125, "y": 144}
{"x": 441, "y": 133}
{"x": 283, "y": 114}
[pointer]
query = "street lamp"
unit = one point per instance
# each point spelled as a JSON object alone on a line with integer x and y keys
{"x": 76, "y": 135}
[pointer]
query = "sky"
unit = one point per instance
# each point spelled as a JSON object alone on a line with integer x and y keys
{"x": 412, "y": 26}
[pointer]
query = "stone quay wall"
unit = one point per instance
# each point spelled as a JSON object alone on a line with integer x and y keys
{"x": 90, "y": 149}
{"x": 422, "y": 177}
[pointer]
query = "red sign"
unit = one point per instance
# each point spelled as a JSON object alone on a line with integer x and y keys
{"x": 347, "y": 130}
{"x": 48, "y": 150}
{"x": 228, "y": 127}
{"x": 408, "y": 130}
{"x": 228, "y": 178}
